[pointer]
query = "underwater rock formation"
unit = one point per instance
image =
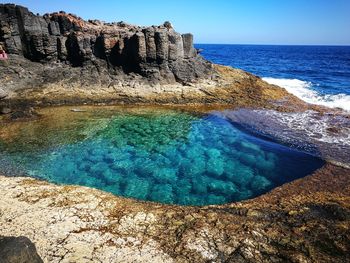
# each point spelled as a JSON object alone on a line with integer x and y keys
{"x": 307, "y": 220}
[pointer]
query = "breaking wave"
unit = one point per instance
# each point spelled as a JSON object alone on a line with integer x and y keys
{"x": 302, "y": 89}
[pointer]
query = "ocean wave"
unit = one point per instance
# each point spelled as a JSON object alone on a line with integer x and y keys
{"x": 302, "y": 89}
{"x": 323, "y": 135}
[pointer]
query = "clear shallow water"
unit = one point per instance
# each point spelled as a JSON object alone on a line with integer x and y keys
{"x": 163, "y": 155}
{"x": 316, "y": 74}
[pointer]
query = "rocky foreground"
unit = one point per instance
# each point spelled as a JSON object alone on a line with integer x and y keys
{"x": 307, "y": 220}
{"x": 61, "y": 59}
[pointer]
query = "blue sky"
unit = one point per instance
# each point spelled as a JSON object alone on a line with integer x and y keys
{"x": 321, "y": 22}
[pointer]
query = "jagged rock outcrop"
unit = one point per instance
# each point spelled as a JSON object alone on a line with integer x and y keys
{"x": 158, "y": 52}
{"x": 60, "y": 59}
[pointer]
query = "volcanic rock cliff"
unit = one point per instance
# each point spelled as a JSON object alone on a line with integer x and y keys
{"x": 156, "y": 52}
{"x": 59, "y": 58}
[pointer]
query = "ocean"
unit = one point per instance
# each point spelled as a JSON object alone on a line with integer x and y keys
{"x": 316, "y": 74}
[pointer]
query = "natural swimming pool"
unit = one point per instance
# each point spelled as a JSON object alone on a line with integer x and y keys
{"x": 165, "y": 155}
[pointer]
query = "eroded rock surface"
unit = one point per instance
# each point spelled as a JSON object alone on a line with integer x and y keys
{"x": 157, "y": 53}
{"x": 59, "y": 58}
{"x": 307, "y": 220}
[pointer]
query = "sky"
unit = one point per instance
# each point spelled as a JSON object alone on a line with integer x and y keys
{"x": 288, "y": 22}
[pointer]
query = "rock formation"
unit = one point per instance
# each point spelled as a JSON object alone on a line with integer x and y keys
{"x": 18, "y": 250}
{"x": 59, "y": 58}
{"x": 307, "y": 220}
{"x": 156, "y": 52}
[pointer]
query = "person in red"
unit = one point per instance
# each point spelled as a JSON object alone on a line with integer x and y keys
{"x": 3, "y": 55}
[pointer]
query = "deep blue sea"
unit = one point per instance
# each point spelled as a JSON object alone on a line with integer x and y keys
{"x": 316, "y": 74}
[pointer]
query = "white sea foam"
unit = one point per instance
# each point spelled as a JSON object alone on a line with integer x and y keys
{"x": 302, "y": 89}
{"x": 325, "y": 135}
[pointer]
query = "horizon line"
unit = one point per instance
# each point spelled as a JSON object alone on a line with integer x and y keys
{"x": 256, "y": 44}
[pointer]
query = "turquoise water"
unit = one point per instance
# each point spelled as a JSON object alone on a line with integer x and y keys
{"x": 163, "y": 155}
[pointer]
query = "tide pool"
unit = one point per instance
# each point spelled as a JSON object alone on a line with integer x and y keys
{"x": 164, "y": 155}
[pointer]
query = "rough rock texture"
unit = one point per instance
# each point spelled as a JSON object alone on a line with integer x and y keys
{"x": 3, "y": 94}
{"x": 61, "y": 59}
{"x": 18, "y": 250}
{"x": 157, "y": 53}
{"x": 42, "y": 85}
{"x": 307, "y": 220}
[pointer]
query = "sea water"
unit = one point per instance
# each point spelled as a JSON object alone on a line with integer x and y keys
{"x": 316, "y": 74}
{"x": 164, "y": 155}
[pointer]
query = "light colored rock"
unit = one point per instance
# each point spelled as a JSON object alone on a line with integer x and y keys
{"x": 70, "y": 225}
{"x": 3, "y": 94}
{"x": 80, "y": 224}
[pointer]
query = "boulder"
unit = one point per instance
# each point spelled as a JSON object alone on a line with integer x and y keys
{"x": 168, "y": 25}
{"x": 5, "y": 110}
{"x": 18, "y": 250}
{"x": 3, "y": 94}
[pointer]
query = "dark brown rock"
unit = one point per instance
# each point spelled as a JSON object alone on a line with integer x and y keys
{"x": 18, "y": 250}
{"x": 140, "y": 47}
{"x": 189, "y": 50}
{"x": 162, "y": 45}
{"x": 176, "y": 50}
{"x": 151, "y": 48}
{"x": 5, "y": 110}
{"x": 157, "y": 53}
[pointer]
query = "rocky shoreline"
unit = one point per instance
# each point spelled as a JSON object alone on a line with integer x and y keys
{"x": 60, "y": 59}
{"x": 306, "y": 220}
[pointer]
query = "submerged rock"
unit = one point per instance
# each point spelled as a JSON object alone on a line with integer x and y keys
{"x": 222, "y": 187}
{"x": 215, "y": 166}
{"x": 238, "y": 173}
{"x": 137, "y": 188}
{"x": 162, "y": 192}
{"x": 165, "y": 175}
{"x": 260, "y": 184}
{"x": 304, "y": 220}
{"x": 23, "y": 112}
